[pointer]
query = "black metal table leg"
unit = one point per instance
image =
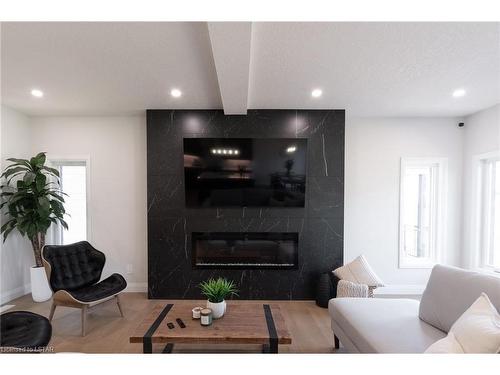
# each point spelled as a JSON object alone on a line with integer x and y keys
{"x": 147, "y": 343}
{"x": 273, "y": 349}
{"x": 147, "y": 346}
{"x": 168, "y": 348}
{"x": 273, "y": 335}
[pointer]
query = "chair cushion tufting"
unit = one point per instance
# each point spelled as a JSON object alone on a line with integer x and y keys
{"x": 73, "y": 266}
{"x": 24, "y": 329}
{"x": 106, "y": 288}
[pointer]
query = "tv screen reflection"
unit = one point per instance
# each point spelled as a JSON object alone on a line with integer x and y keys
{"x": 245, "y": 172}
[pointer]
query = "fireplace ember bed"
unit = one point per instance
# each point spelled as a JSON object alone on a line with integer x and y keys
{"x": 245, "y": 250}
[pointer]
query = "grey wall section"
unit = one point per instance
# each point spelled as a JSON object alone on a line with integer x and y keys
{"x": 320, "y": 224}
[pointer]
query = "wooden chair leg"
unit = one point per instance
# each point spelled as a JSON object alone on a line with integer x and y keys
{"x": 119, "y": 305}
{"x": 52, "y": 311}
{"x": 84, "y": 319}
{"x": 336, "y": 342}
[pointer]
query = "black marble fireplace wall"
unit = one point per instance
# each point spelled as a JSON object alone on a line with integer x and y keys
{"x": 170, "y": 224}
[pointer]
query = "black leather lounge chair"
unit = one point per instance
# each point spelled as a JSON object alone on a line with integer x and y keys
{"x": 74, "y": 271}
{"x": 24, "y": 331}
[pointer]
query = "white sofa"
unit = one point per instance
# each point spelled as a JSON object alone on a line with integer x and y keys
{"x": 372, "y": 325}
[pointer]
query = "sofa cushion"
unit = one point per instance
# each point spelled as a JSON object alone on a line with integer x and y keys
{"x": 447, "y": 345}
{"x": 383, "y": 325}
{"x": 358, "y": 271}
{"x": 476, "y": 331}
{"x": 450, "y": 291}
{"x": 108, "y": 287}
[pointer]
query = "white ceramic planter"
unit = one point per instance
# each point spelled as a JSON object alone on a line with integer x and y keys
{"x": 218, "y": 309}
{"x": 40, "y": 289}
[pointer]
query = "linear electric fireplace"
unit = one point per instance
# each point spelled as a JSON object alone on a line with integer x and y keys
{"x": 245, "y": 250}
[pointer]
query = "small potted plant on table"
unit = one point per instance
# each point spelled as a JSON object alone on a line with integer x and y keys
{"x": 216, "y": 292}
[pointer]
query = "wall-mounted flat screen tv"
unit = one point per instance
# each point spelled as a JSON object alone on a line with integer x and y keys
{"x": 245, "y": 172}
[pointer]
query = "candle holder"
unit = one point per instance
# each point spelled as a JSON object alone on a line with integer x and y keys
{"x": 206, "y": 317}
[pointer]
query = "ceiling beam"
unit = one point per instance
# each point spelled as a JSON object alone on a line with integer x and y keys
{"x": 231, "y": 44}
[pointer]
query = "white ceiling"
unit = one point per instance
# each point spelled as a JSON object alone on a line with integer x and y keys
{"x": 89, "y": 68}
{"x": 370, "y": 69}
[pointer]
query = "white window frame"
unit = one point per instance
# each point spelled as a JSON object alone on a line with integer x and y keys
{"x": 438, "y": 221}
{"x": 56, "y": 161}
{"x": 480, "y": 219}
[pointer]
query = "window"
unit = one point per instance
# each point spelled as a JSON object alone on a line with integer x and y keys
{"x": 73, "y": 176}
{"x": 421, "y": 227}
{"x": 490, "y": 212}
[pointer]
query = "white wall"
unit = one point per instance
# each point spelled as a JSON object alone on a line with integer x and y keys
{"x": 16, "y": 255}
{"x": 374, "y": 147}
{"x": 482, "y": 135}
{"x": 117, "y": 150}
{"x": 116, "y": 147}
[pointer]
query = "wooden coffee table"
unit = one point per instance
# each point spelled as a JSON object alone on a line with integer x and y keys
{"x": 242, "y": 324}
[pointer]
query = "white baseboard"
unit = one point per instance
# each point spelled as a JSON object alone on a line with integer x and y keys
{"x": 9, "y": 295}
{"x": 136, "y": 287}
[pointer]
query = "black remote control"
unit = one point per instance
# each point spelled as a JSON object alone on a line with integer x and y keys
{"x": 180, "y": 323}
{"x": 170, "y": 325}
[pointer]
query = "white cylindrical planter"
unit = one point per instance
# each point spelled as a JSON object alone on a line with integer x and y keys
{"x": 40, "y": 289}
{"x": 218, "y": 309}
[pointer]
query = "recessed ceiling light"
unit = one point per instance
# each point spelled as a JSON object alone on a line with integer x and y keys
{"x": 316, "y": 93}
{"x": 37, "y": 93}
{"x": 176, "y": 93}
{"x": 458, "y": 93}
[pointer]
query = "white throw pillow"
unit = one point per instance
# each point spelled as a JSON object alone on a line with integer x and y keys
{"x": 348, "y": 289}
{"x": 476, "y": 331}
{"x": 358, "y": 271}
{"x": 447, "y": 345}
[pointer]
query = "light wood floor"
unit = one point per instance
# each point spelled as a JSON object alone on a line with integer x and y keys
{"x": 107, "y": 332}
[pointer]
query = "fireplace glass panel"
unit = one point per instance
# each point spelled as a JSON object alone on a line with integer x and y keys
{"x": 245, "y": 250}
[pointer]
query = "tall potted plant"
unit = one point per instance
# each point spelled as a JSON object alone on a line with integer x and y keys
{"x": 33, "y": 200}
{"x": 216, "y": 292}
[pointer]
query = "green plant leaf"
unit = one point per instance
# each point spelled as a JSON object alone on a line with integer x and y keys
{"x": 63, "y": 223}
{"x": 38, "y": 161}
{"x": 57, "y": 196}
{"x": 29, "y": 178}
{"x": 8, "y": 172}
{"x": 218, "y": 290}
{"x": 7, "y": 225}
{"x": 13, "y": 176}
{"x": 41, "y": 157}
{"x": 57, "y": 207}
{"x": 20, "y": 162}
{"x": 41, "y": 179}
{"x": 51, "y": 170}
{"x": 7, "y": 232}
